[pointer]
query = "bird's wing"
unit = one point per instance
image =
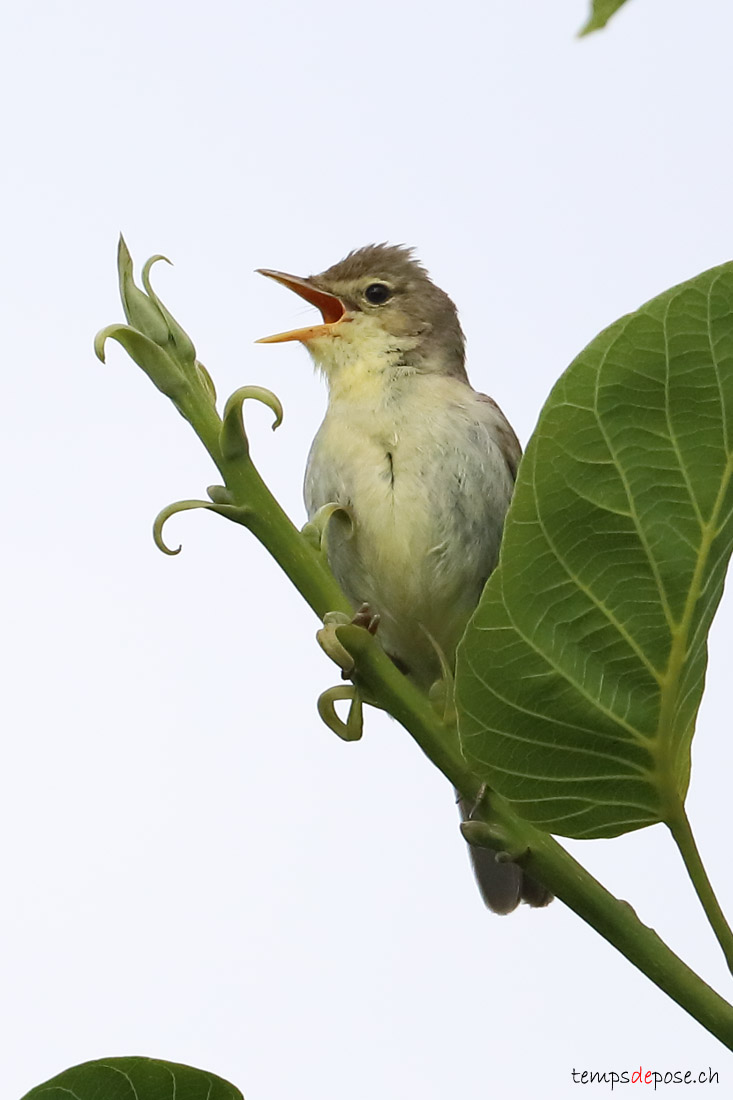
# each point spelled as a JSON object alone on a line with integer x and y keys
{"x": 510, "y": 445}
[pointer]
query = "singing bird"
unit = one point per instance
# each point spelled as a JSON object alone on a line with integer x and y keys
{"x": 423, "y": 464}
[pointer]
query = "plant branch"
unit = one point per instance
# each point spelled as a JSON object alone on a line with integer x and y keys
{"x": 543, "y": 857}
{"x": 158, "y": 344}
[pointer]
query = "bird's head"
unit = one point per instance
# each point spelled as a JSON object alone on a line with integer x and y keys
{"x": 380, "y": 309}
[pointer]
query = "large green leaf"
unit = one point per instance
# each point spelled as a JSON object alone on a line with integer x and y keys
{"x": 601, "y": 12}
{"x": 581, "y": 673}
{"x": 134, "y": 1079}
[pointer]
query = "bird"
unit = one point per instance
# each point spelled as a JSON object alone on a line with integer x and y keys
{"x": 423, "y": 464}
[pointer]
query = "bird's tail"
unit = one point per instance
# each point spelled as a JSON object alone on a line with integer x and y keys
{"x": 503, "y": 884}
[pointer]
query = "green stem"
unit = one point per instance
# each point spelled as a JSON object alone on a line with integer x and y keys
{"x": 680, "y": 828}
{"x": 617, "y": 922}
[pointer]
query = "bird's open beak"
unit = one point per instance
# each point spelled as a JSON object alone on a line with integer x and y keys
{"x": 332, "y": 308}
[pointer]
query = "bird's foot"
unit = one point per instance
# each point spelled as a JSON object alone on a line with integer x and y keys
{"x": 329, "y": 641}
{"x": 352, "y": 728}
{"x": 367, "y": 618}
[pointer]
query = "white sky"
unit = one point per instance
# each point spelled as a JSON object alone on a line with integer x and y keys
{"x": 193, "y": 867}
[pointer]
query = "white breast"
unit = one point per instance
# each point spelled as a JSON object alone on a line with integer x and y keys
{"x": 420, "y": 465}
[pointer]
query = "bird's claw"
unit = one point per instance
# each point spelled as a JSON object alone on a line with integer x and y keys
{"x": 329, "y": 641}
{"x": 367, "y": 618}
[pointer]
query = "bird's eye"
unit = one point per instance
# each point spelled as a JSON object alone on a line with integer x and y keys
{"x": 376, "y": 293}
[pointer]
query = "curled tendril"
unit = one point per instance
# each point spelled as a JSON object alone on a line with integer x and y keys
{"x": 234, "y": 442}
{"x": 146, "y": 272}
{"x": 316, "y": 529}
{"x": 165, "y": 514}
{"x": 101, "y": 339}
{"x": 230, "y": 511}
{"x": 183, "y": 348}
{"x": 353, "y": 727}
{"x": 328, "y": 640}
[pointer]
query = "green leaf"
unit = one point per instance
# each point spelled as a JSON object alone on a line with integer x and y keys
{"x": 580, "y": 675}
{"x": 134, "y": 1079}
{"x": 601, "y": 12}
{"x": 180, "y": 342}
